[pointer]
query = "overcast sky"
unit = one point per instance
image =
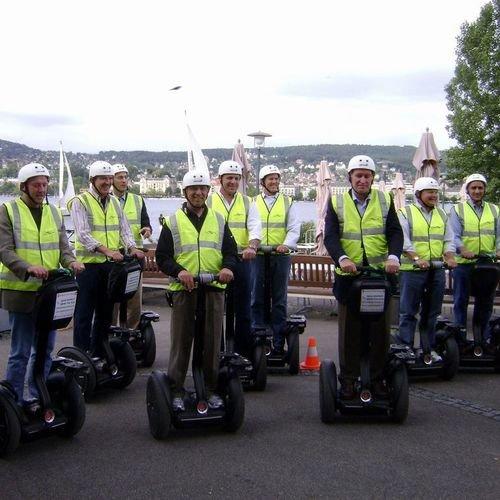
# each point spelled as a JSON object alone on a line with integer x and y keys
{"x": 97, "y": 75}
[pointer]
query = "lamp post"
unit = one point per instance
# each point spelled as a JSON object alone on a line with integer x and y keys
{"x": 259, "y": 139}
{"x": 442, "y": 179}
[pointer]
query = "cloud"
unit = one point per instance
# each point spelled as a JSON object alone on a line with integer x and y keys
{"x": 421, "y": 86}
{"x": 38, "y": 120}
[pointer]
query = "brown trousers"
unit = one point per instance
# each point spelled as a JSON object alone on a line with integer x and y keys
{"x": 182, "y": 329}
{"x": 350, "y": 331}
{"x": 134, "y": 310}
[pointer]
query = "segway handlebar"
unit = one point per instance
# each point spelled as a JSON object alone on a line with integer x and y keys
{"x": 367, "y": 270}
{"x": 59, "y": 273}
{"x": 434, "y": 264}
{"x": 271, "y": 250}
{"x": 202, "y": 278}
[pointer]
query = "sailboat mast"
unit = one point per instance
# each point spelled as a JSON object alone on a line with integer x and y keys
{"x": 61, "y": 174}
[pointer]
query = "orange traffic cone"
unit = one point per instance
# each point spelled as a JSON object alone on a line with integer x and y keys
{"x": 312, "y": 362}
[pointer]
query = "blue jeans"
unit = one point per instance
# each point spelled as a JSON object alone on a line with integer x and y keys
{"x": 92, "y": 304}
{"x": 279, "y": 273}
{"x": 483, "y": 308}
{"x": 22, "y": 353}
{"x": 420, "y": 291}
{"x": 240, "y": 291}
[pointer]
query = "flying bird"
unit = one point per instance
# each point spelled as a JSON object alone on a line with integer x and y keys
{"x": 176, "y": 88}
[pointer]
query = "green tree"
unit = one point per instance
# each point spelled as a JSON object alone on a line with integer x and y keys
{"x": 473, "y": 100}
{"x": 312, "y": 194}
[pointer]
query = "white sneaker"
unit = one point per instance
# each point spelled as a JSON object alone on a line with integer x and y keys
{"x": 215, "y": 402}
{"x": 436, "y": 358}
{"x": 178, "y": 404}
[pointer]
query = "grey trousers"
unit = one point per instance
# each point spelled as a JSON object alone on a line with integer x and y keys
{"x": 182, "y": 329}
{"x": 350, "y": 331}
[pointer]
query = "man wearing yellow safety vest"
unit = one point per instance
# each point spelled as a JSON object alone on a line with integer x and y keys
{"x": 243, "y": 220}
{"x": 135, "y": 211}
{"x": 280, "y": 228}
{"x": 101, "y": 230}
{"x": 195, "y": 239}
{"x": 476, "y": 227}
{"x": 361, "y": 229}
{"x": 427, "y": 237}
{"x": 32, "y": 242}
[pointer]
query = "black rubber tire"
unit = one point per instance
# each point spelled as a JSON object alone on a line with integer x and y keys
{"x": 260, "y": 368}
{"x": 149, "y": 348}
{"x": 293, "y": 353}
{"x": 235, "y": 405}
{"x": 87, "y": 381}
{"x": 126, "y": 362}
{"x": 399, "y": 390}
{"x": 451, "y": 359}
{"x": 69, "y": 399}
{"x": 157, "y": 406}
{"x": 10, "y": 428}
{"x": 327, "y": 391}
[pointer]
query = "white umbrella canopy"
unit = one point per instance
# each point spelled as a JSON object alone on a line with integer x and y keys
{"x": 427, "y": 157}
{"x": 240, "y": 156}
{"x": 399, "y": 189}
{"x": 323, "y": 193}
{"x": 463, "y": 193}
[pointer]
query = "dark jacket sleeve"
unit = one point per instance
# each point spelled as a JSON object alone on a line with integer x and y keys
{"x": 332, "y": 235}
{"x": 229, "y": 249}
{"x": 393, "y": 232}
{"x": 165, "y": 254}
{"x": 145, "y": 222}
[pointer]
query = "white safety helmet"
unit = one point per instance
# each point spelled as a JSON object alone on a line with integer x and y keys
{"x": 195, "y": 178}
{"x": 100, "y": 168}
{"x": 119, "y": 167}
{"x": 268, "y": 170}
{"x": 425, "y": 183}
{"x": 229, "y": 167}
{"x": 475, "y": 177}
{"x": 32, "y": 170}
{"x": 361, "y": 161}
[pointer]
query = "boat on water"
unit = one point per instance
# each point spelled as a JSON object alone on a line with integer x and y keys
{"x": 64, "y": 194}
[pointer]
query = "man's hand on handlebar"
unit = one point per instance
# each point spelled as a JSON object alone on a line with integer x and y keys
{"x": 114, "y": 255}
{"x": 348, "y": 266}
{"x": 134, "y": 252}
{"x": 450, "y": 261}
{"x": 249, "y": 253}
{"x": 467, "y": 254}
{"x": 146, "y": 232}
{"x": 391, "y": 266}
{"x": 187, "y": 280}
{"x": 225, "y": 275}
{"x": 77, "y": 267}
{"x": 38, "y": 272}
{"x": 282, "y": 249}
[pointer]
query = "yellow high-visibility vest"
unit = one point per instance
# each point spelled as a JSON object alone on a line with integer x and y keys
{"x": 197, "y": 251}
{"x": 274, "y": 221}
{"x": 366, "y": 232}
{"x": 427, "y": 237}
{"x": 132, "y": 208}
{"x": 479, "y": 234}
{"x": 236, "y": 217}
{"x": 38, "y": 247}
{"x": 104, "y": 227}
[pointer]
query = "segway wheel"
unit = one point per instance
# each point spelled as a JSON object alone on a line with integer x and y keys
{"x": 157, "y": 405}
{"x": 87, "y": 378}
{"x": 260, "y": 368}
{"x": 69, "y": 399}
{"x": 10, "y": 429}
{"x": 126, "y": 362}
{"x": 327, "y": 391}
{"x": 451, "y": 358}
{"x": 293, "y": 353}
{"x": 399, "y": 395}
{"x": 235, "y": 405}
{"x": 149, "y": 348}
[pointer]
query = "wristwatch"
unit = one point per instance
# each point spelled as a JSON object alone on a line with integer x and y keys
{"x": 416, "y": 258}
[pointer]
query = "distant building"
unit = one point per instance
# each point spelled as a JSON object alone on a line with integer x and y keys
{"x": 149, "y": 184}
{"x": 288, "y": 190}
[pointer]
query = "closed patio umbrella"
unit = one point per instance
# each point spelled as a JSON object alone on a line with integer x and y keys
{"x": 324, "y": 179}
{"x": 427, "y": 157}
{"x": 240, "y": 156}
{"x": 399, "y": 190}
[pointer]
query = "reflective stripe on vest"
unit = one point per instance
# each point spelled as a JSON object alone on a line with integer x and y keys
{"x": 366, "y": 232}
{"x": 274, "y": 221}
{"x": 38, "y": 247}
{"x": 197, "y": 251}
{"x": 104, "y": 227}
{"x": 479, "y": 234}
{"x": 132, "y": 208}
{"x": 427, "y": 237}
{"x": 236, "y": 217}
